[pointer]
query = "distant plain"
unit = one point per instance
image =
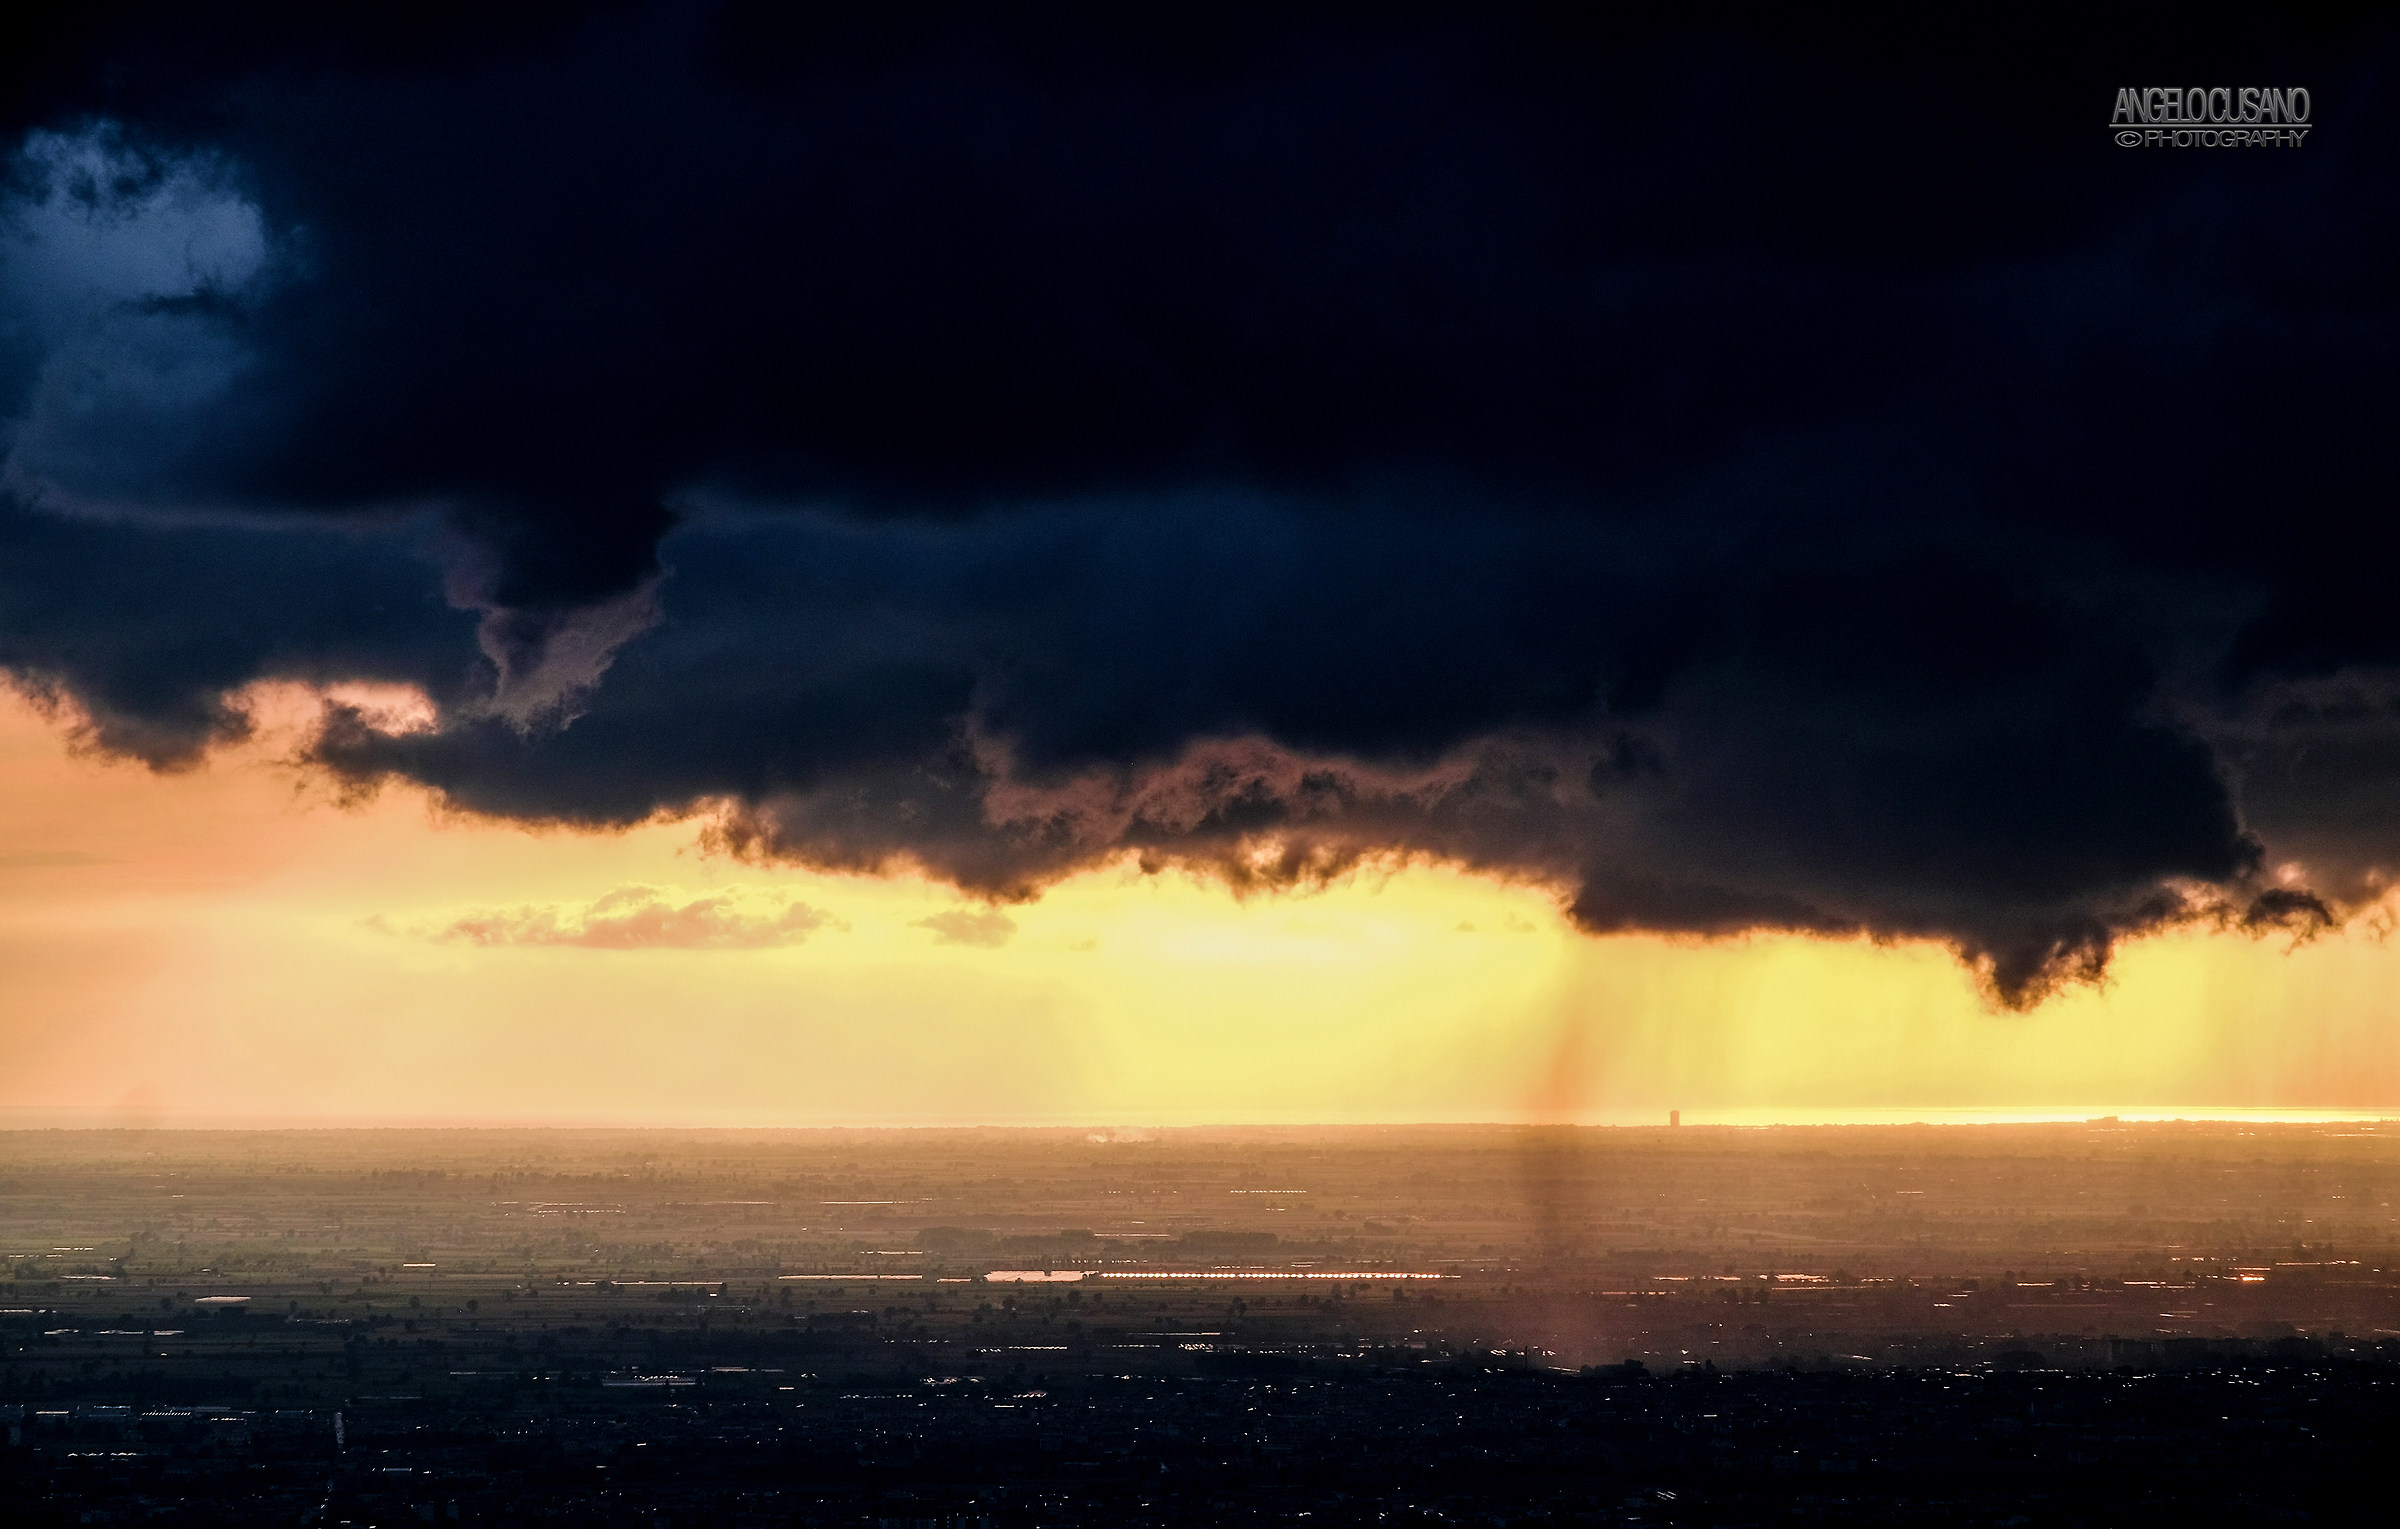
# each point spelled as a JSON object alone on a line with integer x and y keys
{"x": 1739, "y": 1247}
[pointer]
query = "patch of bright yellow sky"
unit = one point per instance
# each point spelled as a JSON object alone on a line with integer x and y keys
{"x": 227, "y": 945}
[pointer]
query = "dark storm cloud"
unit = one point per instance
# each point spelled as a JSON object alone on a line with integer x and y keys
{"x": 1714, "y": 477}
{"x": 151, "y": 629}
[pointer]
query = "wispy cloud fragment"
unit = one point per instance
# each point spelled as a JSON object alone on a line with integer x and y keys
{"x": 643, "y": 918}
{"x": 984, "y": 928}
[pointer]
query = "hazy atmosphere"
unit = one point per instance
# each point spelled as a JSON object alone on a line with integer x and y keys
{"x": 233, "y": 945}
{"x": 935, "y": 766}
{"x": 708, "y": 564}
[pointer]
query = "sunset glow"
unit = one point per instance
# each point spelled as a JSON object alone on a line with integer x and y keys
{"x": 231, "y": 943}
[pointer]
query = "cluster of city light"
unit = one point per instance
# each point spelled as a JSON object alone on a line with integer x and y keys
{"x": 1034, "y": 1276}
{"x": 1268, "y": 1274}
{"x": 851, "y": 1277}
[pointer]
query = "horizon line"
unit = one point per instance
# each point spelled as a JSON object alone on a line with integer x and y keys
{"x": 26, "y": 1119}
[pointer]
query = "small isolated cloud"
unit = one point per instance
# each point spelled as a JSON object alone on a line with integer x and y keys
{"x": 1511, "y": 922}
{"x": 984, "y": 928}
{"x": 645, "y": 918}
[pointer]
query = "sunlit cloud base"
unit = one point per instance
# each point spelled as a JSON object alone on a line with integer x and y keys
{"x": 232, "y": 946}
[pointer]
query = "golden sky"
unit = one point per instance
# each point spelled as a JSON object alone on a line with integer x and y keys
{"x": 229, "y": 945}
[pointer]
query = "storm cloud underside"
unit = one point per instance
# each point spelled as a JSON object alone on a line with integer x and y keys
{"x": 999, "y": 448}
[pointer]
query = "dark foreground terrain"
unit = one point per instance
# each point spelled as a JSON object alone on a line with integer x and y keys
{"x": 2099, "y": 1324}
